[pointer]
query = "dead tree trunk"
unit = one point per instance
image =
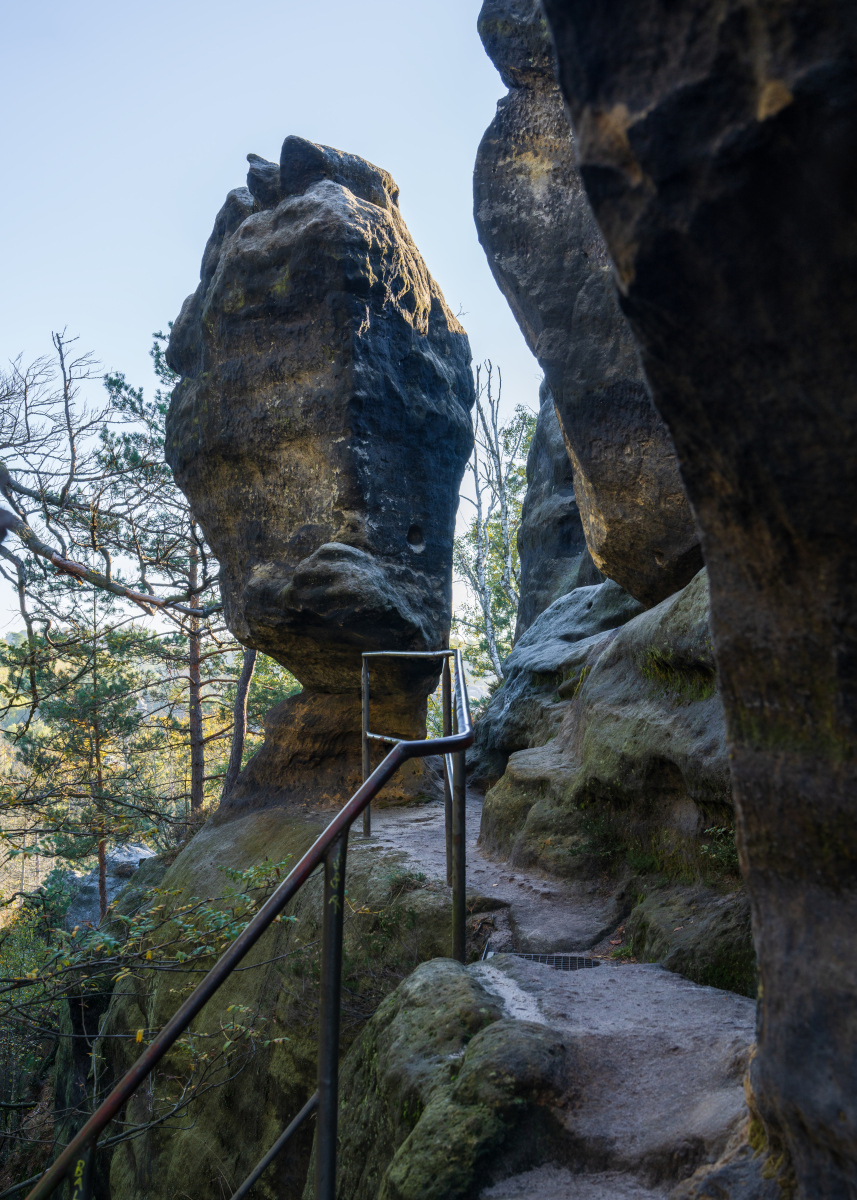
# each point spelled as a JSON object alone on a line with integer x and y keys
{"x": 239, "y": 728}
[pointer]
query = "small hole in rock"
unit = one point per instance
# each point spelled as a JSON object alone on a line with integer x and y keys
{"x": 416, "y": 540}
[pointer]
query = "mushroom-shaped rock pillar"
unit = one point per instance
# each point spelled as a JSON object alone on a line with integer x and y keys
{"x": 320, "y": 431}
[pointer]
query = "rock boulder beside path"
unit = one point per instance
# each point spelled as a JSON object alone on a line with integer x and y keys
{"x": 506, "y": 1078}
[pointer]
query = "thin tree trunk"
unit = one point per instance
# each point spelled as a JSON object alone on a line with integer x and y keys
{"x": 102, "y": 841}
{"x": 95, "y": 753}
{"x": 239, "y": 726}
{"x": 482, "y": 590}
{"x": 102, "y": 876}
{"x": 197, "y": 749}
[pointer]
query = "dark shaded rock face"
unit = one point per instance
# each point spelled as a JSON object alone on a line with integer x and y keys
{"x": 551, "y": 543}
{"x": 549, "y": 259}
{"x": 698, "y": 932}
{"x": 718, "y": 144}
{"x": 320, "y": 431}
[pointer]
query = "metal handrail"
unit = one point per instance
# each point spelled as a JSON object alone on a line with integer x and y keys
{"x": 76, "y": 1160}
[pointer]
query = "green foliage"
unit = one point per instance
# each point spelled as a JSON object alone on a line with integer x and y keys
{"x": 100, "y": 705}
{"x": 721, "y": 848}
{"x": 403, "y": 880}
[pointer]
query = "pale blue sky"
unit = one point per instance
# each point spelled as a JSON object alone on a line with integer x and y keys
{"x": 124, "y": 125}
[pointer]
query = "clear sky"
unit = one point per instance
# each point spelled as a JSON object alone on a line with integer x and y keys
{"x": 124, "y": 125}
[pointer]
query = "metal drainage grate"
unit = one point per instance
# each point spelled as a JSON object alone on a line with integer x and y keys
{"x": 559, "y": 962}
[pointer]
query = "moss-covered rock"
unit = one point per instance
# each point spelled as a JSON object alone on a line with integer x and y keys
{"x": 637, "y": 776}
{"x": 255, "y": 1082}
{"x": 544, "y": 672}
{"x": 701, "y": 933}
{"x": 441, "y": 1094}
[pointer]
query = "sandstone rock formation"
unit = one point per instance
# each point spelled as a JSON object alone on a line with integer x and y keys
{"x": 639, "y": 760}
{"x": 619, "y": 771}
{"x": 493, "y": 1080}
{"x": 320, "y": 431}
{"x": 718, "y": 145}
{"x": 548, "y": 257}
{"x": 543, "y": 672}
{"x": 85, "y": 907}
{"x": 551, "y": 543}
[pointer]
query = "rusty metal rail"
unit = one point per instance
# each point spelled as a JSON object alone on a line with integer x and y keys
{"x": 75, "y": 1162}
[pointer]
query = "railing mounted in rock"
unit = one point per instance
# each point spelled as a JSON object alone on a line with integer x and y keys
{"x": 75, "y": 1162}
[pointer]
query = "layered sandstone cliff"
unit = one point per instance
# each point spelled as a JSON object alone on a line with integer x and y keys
{"x": 549, "y": 259}
{"x": 718, "y": 144}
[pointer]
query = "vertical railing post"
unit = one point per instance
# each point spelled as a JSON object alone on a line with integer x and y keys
{"x": 459, "y": 862}
{"x": 367, "y": 763}
{"x": 328, "y": 1050}
{"x": 446, "y": 708}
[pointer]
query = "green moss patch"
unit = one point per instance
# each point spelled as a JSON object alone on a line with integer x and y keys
{"x": 701, "y": 933}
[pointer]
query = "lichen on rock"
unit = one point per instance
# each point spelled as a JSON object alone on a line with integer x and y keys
{"x": 545, "y": 671}
{"x": 638, "y": 766}
{"x": 442, "y": 1093}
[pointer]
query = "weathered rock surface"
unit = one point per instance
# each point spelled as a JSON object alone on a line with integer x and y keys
{"x": 549, "y": 259}
{"x": 718, "y": 144}
{"x": 516, "y": 908}
{"x": 320, "y": 430}
{"x": 639, "y": 763}
{"x": 715, "y": 946}
{"x": 627, "y": 777}
{"x": 552, "y": 547}
{"x": 491, "y": 1080}
{"x": 542, "y": 674}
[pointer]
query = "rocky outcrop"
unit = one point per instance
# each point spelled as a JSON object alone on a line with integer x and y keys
{"x": 715, "y": 946}
{"x": 718, "y": 145}
{"x": 494, "y": 1080}
{"x": 638, "y": 767}
{"x": 551, "y": 544}
{"x": 542, "y": 674}
{"x": 548, "y": 257}
{"x": 320, "y": 431}
{"x": 246, "y": 1092}
{"x": 618, "y": 775}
